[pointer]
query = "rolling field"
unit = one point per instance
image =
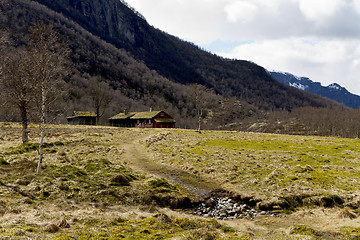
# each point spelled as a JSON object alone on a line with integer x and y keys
{"x": 115, "y": 183}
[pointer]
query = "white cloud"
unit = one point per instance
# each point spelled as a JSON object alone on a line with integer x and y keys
{"x": 272, "y": 5}
{"x": 318, "y": 9}
{"x": 314, "y": 38}
{"x": 204, "y": 21}
{"x": 322, "y": 60}
{"x": 240, "y": 11}
{"x": 196, "y": 21}
{"x": 356, "y": 5}
{"x": 283, "y": 52}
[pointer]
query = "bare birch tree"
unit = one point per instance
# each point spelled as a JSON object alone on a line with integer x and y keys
{"x": 101, "y": 97}
{"x": 201, "y": 98}
{"x": 17, "y": 87}
{"x": 47, "y": 55}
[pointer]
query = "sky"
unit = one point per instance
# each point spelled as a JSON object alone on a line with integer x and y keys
{"x": 319, "y": 39}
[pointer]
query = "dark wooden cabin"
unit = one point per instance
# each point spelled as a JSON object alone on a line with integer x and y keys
{"x": 82, "y": 118}
{"x": 151, "y": 119}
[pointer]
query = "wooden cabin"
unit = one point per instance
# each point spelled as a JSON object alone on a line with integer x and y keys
{"x": 151, "y": 119}
{"x": 82, "y": 118}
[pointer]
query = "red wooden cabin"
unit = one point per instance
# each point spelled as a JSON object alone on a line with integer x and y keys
{"x": 151, "y": 119}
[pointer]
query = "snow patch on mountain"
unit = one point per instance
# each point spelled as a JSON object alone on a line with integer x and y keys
{"x": 334, "y": 91}
{"x": 299, "y": 85}
{"x": 334, "y": 86}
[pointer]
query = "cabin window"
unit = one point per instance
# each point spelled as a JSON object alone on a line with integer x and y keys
{"x": 162, "y": 114}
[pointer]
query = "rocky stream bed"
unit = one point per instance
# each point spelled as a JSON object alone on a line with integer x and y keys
{"x": 226, "y": 209}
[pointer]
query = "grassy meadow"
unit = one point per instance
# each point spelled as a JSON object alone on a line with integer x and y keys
{"x": 265, "y": 166}
{"x": 119, "y": 183}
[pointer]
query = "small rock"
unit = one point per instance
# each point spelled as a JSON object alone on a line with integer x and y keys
{"x": 161, "y": 217}
{"x": 64, "y": 187}
{"x": 23, "y": 182}
{"x": 120, "y": 180}
{"x": 27, "y": 200}
{"x": 51, "y": 228}
{"x": 63, "y": 224}
{"x": 45, "y": 194}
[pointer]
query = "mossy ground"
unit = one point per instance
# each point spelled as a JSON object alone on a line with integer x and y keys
{"x": 312, "y": 177}
{"x": 266, "y": 165}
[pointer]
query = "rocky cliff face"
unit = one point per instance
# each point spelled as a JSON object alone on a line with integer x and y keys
{"x": 114, "y": 22}
{"x": 111, "y": 20}
{"x": 109, "y": 23}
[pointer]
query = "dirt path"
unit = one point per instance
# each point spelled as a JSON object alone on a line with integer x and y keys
{"x": 139, "y": 158}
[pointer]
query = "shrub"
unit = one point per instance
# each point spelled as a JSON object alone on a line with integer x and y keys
{"x": 120, "y": 180}
{"x": 161, "y": 183}
{"x": 331, "y": 201}
{"x": 304, "y": 230}
{"x": 51, "y": 228}
{"x": 3, "y": 162}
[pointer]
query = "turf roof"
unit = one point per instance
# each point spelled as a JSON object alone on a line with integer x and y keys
{"x": 136, "y": 115}
{"x": 83, "y": 114}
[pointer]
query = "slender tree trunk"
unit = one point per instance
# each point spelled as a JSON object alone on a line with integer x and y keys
{"x": 199, "y": 120}
{"x": 97, "y": 115}
{"x": 42, "y": 127}
{"x": 24, "y": 122}
{"x": 100, "y": 94}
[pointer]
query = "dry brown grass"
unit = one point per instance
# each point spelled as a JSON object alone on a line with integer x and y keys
{"x": 185, "y": 161}
{"x": 347, "y": 213}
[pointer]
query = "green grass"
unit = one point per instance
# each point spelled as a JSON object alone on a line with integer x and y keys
{"x": 29, "y": 147}
{"x": 305, "y": 230}
{"x": 154, "y": 227}
{"x": 84, "y": 168}
{"x": 254, "y": 162}
{"x": 148, "y": 228}
{"x": 351, "y": 232}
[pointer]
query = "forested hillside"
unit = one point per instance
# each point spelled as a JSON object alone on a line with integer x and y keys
{"x": 131, "y": 83}
{"x": 144, "y": 67}
{"x": 177, "y": 60}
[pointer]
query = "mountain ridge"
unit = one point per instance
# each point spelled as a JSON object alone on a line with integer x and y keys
{"x": 333, "y": 91}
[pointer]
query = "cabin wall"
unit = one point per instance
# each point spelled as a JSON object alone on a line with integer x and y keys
{"x": 122, "y": 123}
{"x": 145, "y": 123}
{"x": 164, "y": 125}
{"x": 82, "y": 121}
